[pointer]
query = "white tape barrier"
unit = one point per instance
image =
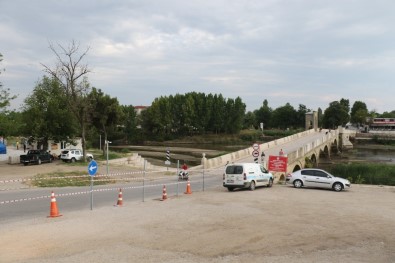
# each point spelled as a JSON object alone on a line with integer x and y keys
{"x": 88, "y": 192}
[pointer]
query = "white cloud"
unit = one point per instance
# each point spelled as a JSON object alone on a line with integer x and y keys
{"x": 302, "y": 52}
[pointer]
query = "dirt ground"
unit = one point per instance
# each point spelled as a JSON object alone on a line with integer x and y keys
{"x": 278, "y": 224}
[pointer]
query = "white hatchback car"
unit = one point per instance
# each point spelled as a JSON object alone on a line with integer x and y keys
{"x": 311, "y": 177}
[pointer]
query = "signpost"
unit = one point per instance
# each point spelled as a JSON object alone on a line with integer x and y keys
{"x": 255, "y": 152}
{"x": 92, "y": 169}
{"x": 167, "y": 162}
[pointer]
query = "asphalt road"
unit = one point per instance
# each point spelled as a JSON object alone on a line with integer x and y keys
{"x": 16, "y": 204}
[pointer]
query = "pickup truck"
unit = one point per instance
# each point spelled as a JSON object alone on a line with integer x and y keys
{"x": 36, "y": 156}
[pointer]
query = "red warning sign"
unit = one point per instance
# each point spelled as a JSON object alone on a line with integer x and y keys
{"x": 278, "y": 163}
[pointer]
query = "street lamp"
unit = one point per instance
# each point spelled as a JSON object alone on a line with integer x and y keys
{"x": 107, "y": 142}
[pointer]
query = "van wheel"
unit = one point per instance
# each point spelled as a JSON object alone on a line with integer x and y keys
{"x": 73, "y": 160}
{"x": 252, "y": 186}
{"x": 270, "y": 183}
{"x": 230, "y": 189}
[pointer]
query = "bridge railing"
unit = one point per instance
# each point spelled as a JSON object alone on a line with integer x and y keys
{"x": 232, "y": 157}
{"x": 303, "y": 151}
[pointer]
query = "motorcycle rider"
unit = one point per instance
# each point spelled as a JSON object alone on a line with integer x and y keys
{"x": 184, "y": 172}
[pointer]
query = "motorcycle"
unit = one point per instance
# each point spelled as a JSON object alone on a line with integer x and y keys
{"x": 183, "y": 175}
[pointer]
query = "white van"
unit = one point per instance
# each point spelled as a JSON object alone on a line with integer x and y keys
{"x": 246, "y": 175}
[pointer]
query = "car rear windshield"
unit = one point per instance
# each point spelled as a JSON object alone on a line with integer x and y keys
{"x": 234, "y": 169}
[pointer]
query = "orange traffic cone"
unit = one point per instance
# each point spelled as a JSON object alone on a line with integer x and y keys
{"x": 54, "y": 207}
{"x": 120, "y": 200}
{"x": 164, "y": 193}
{"x": 189, "y": 191}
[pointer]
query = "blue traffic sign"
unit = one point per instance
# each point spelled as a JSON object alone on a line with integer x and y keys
{"x": 92, "y": 168}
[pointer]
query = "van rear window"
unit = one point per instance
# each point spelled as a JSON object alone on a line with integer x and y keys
{"x": 234, "y": 169}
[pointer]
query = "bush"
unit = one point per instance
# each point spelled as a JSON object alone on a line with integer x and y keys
{"x": 367, "y": 173}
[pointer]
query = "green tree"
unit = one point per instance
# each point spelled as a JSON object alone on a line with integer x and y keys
{"x": 387, "y": 114}
{"x": 264, "y": 115}
{"x": 359, "y": 112}
{"x": 105, "y": 112}
{"x": 129, "y": 120}
{"x": 249, "y": 120}
{"x": 336, "y": 114}
{"x": 46, "y": 115}
{"x": 11, "y": 123}
{"x": 217, "y": 121}
{"x": 284, "y": 117}
{"x": 235, "y": 115}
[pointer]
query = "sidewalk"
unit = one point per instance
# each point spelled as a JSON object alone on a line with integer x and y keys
{"x": 11, "y": 151}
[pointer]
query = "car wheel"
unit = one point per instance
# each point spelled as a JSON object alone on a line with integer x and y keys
{"x": 252, "y": 186}
{"x": 337, "y": 187}
{"x": 39, "y": 161}
{"x": 298, "y": 184}
{"x": 25, "y": 164}
{"x": 73, "y": 160}
{"x": 230, "y": 189}
{"x": 270, "y": 183}
{"x": 50, "y": 160}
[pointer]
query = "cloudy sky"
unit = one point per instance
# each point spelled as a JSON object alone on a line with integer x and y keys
{"x": 297, "y": 51}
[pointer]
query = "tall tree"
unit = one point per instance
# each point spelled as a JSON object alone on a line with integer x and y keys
{"x": 336, "y": 114}
{"x": 105, "y": 112}
{"x": 129, "y": 119}
{"x": 359, "y": 112}
{"x": 284, "y": 117}
{"x": 72, "y": 75}
{"x": 264, "y": 115}
{"x": 249, "y": 120}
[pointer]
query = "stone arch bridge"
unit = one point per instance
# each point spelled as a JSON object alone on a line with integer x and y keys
{"x": 307, "y": 146}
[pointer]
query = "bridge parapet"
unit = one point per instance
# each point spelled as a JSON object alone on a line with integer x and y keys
{"x": 232, "y": 157}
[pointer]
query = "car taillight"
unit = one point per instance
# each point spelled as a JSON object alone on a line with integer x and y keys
{"x": 244, "y": 176}
{"x": 289, "y": 175}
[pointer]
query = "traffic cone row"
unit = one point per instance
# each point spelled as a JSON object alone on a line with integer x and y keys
{"x": 120, "y": 200}
{"x": 164, "y": 193}
{"x": 54, "y": 212}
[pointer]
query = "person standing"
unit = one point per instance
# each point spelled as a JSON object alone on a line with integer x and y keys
{"x": 281, "y": 153}
{"x": 17, "y": 145}
{"x": 262, "y": 157}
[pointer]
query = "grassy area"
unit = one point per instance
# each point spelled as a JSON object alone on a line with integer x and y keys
{"x": 366, "y": 173}
{"x": 62, "y": 179}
